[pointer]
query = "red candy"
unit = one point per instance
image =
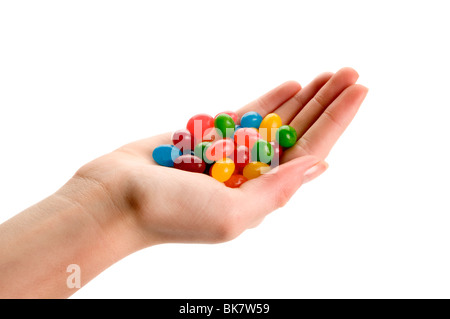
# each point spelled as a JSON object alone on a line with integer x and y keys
{"x": 220, "y": 149}
{"x": 198, "y": 124}
{"x": 235, "y": 181}
{"x": 241, "y": 157}
{"x": 183, "y": 140}
{"x": 246, "y": 136}
{"x": 233, "y": 115}
{"x": 189, "y": 163}
{"x": 211, "y": 134}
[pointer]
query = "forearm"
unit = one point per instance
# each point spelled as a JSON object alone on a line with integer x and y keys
{"x": 77, "y": 225}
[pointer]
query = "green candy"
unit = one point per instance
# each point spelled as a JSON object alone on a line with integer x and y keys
{"x": 225, "y": 124}
{"x": 262, "y": 151}
{"x": 286, "y": 136}
{"x": 200, "y": 150}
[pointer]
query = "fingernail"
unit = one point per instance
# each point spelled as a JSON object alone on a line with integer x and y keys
{"x": 314, "y": 171}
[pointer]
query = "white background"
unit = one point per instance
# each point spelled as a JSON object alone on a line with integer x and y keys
{"x": 81, "y": 78}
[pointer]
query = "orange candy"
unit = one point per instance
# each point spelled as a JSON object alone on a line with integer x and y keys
{"x": 255, "y": 169}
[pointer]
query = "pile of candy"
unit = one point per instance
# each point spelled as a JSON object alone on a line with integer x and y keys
{"x": 229, "y": 150}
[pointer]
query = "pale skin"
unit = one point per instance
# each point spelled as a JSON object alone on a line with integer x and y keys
{"x": 123, "y": 201}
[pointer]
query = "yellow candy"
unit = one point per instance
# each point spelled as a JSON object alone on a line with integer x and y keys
{"x": 255, "y": 169}
{"x": 222, "y": 169}
{"x": 269, "y": 126}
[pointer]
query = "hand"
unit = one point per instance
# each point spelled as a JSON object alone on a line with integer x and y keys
{"x": 170, "y": 205}
{"x": 123, "y": 201}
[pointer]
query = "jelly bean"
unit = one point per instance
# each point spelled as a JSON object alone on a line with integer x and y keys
{"x": 262, "y": 151}
{"x": 235, "y": 181}
{"x": 255, "y": 169}
{"x": 241, "y": 157}
{"x": 189, "y": 163}
{"x": 277, "y": 152}
{"x": 222, "y": 170}
{"x": 225, "y": 124}
{"x": 183, "y": 140}
{"x": 200, "y": 150}
{"x": 198, "y": 124}
{"x": 233, "y": 115}
{"x": 220, "y": 149}
{"x": 269, "y": 126}
{"x": 236, "y": 127}
{"x": 211, "y": 134}
{"x": 246, "y": 136}
{"x": 166, "y": 154}
{"x": 251, "y": 119}
{"x": 286, "y": 136}
{"x": 208, "y": 167}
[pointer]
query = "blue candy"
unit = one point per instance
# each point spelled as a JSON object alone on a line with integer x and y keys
{"x": 251, "y": 119}
{"x": 166, "y": 154}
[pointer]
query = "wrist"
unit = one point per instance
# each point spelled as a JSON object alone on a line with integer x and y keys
{"x": 78, "y": 225}
{"x": 105, "y": 212}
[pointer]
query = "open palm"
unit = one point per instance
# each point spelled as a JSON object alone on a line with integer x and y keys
{"x": 172, "y": 205}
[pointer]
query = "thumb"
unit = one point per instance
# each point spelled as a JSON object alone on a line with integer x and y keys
{"x": 273, "y": 189}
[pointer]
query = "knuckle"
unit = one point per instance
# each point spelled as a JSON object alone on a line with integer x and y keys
{"x": 299, "y": 99}
{"x": 320, "y": 100}
{"x": 330, "y": 116}
{"x": 304, "y": 145}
